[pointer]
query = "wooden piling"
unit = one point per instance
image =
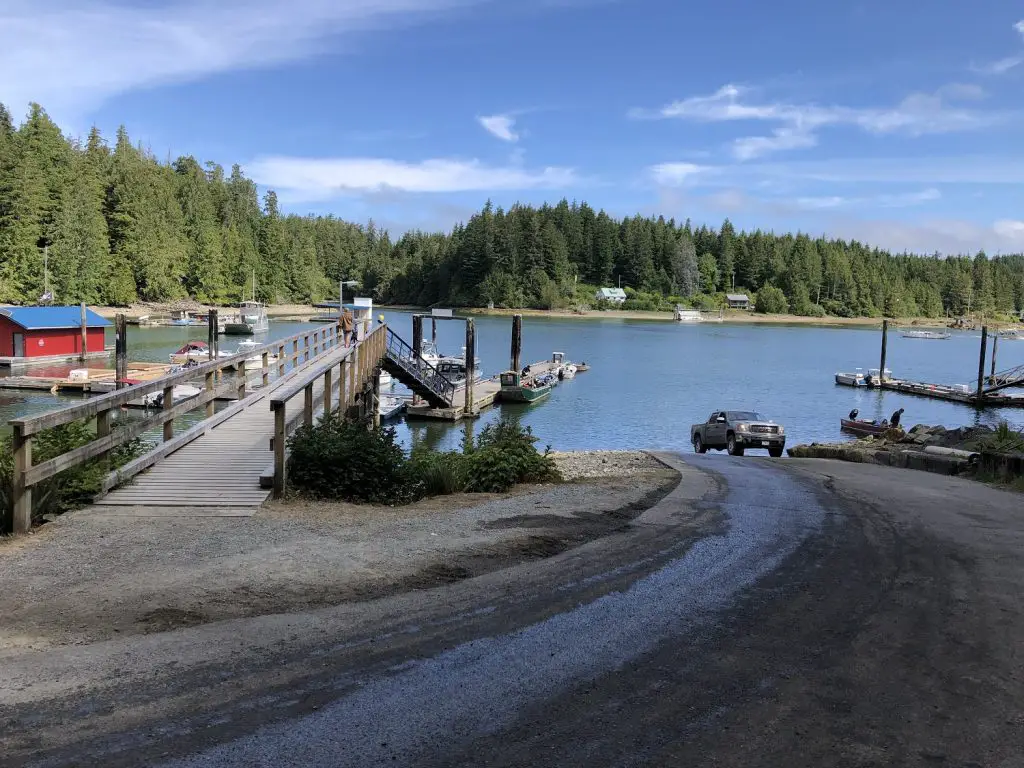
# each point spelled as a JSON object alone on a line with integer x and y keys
{"x": 22, "y": 445}
{"x": 328, "y": 385}
{"x": 433, "y": 330}
{"x": 214, "y": 324}
{"x": 470, "y": 366}
{"x": 417, "y": 335}
{"x": 885, "y": 340}
{"x": 375, "y": 404}
{"x": 211, "y": 333}
{"x": 280, "y": 439}
{"x": 981, "y": 365}
{"x": 85, "y": 335}
{"x": 120, "y": 350}
{"x": 168, "y": 405}
{"x": 517, "y": 342}
{"x": 995, "y": 346}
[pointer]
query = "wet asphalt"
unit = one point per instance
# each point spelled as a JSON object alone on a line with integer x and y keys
{"x": 426, "y": 710}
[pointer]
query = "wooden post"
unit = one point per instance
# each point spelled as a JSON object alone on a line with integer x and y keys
{"x": 280, "y": 360}
{"x": 307, "y": 405}
{"x": 211, "y": 333}
{"x": 85, "y": 335}
{"x": 240, "y": 373}
{"x": 417, "y": 338}
{"x": 210, "y": 406}
{"x": 120, "y": 350}
{"x": 885, "y": 340}
{"x": 214, "y": 326}
{"x": 22, "y": 521}
{"x": 995, "y": 346}
{"x": 265, "y": 362}
{"x": 168, "y": 404}
{"x": 295, "y": 353}
{"x": 316, "y": 343}
{"x": 103, "y": 423}
{"x": 279, "y": 446}
{"x": 981, "y": 365}
{"x": 517, "y": 342}
{"x": 433, "y": 330}
{"x": 470, "y": 366}
{"x": 328, "y": 384}
{"x": 352, "y": 359}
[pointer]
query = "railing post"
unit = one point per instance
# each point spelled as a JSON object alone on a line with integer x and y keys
{"x": 316, "y": 343}
{"x": 22, "y": 521}
{"x": 342, "y": 389}
{"x": 328, "y": 383}
{"x": 240, "y": 373}
{"x": 103, "y": 423}
{"x": 266, "y": 368}
{"x": 280, "y": 360}
{"x": 307, "y": 405}
{"x": 279, "y": 446}
{"x": 295, "y": 353}
{"x": 470, "y": 366}
{"x": 305, "y": 348}
{"x": 168, "y": 404}
{"x": 210, "y": 406}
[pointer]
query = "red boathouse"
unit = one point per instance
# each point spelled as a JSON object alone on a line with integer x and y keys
{"x": 27, "y": 332}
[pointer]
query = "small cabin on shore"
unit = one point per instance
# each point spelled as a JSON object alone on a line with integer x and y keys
{"x": 613, "y": 295}
{"x": 737, "y": 300}
{"x": 30, "y": 332}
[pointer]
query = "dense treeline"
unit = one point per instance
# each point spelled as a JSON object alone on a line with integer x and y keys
{"x": 121, "y": 226}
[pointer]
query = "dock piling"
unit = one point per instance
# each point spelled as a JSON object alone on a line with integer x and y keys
{"x": 981, "y": 365}
{"x": 211, "y": 333}
{"x": 995, "y": 346}
{"x": 85, "y": 336}
{"x": 433, "y": 330}
{"x": 120, "y": 350}
{"x": 470, "y": 366}
{"x": 517, "y": 342}
{"x": 885, "y": 340}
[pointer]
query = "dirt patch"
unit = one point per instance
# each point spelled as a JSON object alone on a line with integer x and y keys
{"x": 165, "y": 619}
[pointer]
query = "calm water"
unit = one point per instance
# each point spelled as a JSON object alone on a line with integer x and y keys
{"x": 650, "y": 380}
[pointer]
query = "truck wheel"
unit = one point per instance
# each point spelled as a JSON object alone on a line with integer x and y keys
{"x": 775, "y": 453}
{"x": 732, "y": 448}
{"x": 698, "y": 445}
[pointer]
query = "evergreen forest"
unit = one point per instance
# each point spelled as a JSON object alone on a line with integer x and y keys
{"x": 119, "y": 226}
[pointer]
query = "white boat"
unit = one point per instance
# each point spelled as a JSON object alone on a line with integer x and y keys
{"x": 855, "y": 379}
{"x": 926, "y": 335}
{"x": 252, "y": 316}
{"x": 429, "y": 353}
{"x": 873, "y": 378}
{"x": 390, "y": 407}
{"x": 179, "y": 393}
{"x": 194, "y": 352}
{"x": 384, "y": 380}
{"x": 249, "y": 345}
{"x": 568, "y": 371}
{"x": 1012, "y": 334}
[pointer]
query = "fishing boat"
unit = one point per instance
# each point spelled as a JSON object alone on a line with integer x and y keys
{"x": 567, "y": 371}
{"x": 862, "y": 427}
{"x": 855, "y": 379}
{"x": 454, "y": 370}
{"x": 926, "y": 335}
{"x": 194, "y": 351}
{"x": 873, "y": 378}
{"x": 515, "y": 388}
{"x": 252, "y": 316}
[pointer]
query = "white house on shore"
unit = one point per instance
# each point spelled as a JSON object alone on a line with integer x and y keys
{"x": 737, "y": 300}
{"x": 614, "y": 295}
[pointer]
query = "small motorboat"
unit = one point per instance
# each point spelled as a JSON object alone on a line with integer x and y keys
{"x": 567, "y": 371}
{"x": 855, "y": 379}
{"x": 198, "y": 351}
{"x": 251, "y": 346}
{"x": 179, "y": 393}
{"x": 384, "y": 380}
{"x": 516, "y": 388}
{"x": 926, "y": 335}
{"x": 863, "y": 427}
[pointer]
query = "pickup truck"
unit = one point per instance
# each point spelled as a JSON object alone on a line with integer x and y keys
{"x": 735, "y": 431}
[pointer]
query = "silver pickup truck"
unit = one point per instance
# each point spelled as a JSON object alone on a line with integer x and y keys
{"x": 735, "y": 431}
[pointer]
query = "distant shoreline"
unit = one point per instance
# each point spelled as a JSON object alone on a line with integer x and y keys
{"x": 736, "y": 317}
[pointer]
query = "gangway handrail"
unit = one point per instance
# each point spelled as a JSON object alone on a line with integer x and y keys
{"x": 401, "y": 352}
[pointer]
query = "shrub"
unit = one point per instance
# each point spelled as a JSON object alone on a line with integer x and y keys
{"x": 71, "y": 488}
{"x": 338, "y": 459}
{"x": 430, "y": 473}
{"x": 771, "y": 301}
{"x": 505, "y": 454}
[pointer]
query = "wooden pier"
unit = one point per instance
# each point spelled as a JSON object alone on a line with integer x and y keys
{"x": 486, "y": 392}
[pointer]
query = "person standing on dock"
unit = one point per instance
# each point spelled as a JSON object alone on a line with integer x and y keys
{"x": 346, "y": 325}
{"x": 895, "y": 420}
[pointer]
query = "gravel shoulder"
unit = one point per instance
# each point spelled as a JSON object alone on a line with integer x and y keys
{"x": 88, "y": 578}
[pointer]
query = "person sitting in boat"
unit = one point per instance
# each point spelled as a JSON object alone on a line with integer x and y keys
{"x": 894, "y": 420}
{"x": 526, "y": 371}
{"x": 854, "y": 414}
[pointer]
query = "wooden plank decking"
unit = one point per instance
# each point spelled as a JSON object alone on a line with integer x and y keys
{"x": 220, "y": 469}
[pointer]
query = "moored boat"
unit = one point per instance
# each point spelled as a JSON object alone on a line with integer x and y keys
{"x": 518, "y": 389}
{"x": 249, "y": 345}
{"x": 926, "y": 335}
{"x": 179, "y": 393}
{"x": 855, "y": 379}
{"x": 194, "y": 351}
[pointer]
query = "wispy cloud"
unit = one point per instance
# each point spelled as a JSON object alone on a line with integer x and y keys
{"x": 901, "y": 200}
{"x": 918, "y": 114}
{"x": 998, "y": 67}
{"x": 71, "y": 55}
{"x": 1019, "y": 26}
{"x": 674, "y": 174}
{"x": 311, "y": 179}
{"x": 500, "y": 126}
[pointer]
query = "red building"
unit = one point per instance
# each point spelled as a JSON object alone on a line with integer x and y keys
{"x": 49, "y": 331}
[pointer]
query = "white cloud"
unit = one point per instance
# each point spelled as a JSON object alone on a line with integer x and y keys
{"x": 899, "y": 200}
{"x": 1019, "y": 26}
{"x": 918, "y": 114}
{"x": 674, "y": 174}
{"x": 998, "y": 67}
{"x": 500, "y": 126}
{"x": 1010, "y": 229}
{"x": 310, "y": 179}
{"x": 71, "y": 56}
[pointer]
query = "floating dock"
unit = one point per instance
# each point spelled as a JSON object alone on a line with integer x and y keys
{"x": 953, "y": 394}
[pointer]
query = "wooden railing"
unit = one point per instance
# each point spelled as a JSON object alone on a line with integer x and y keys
{"x": 357, "y": 368}
{"x": 295, "y": 350}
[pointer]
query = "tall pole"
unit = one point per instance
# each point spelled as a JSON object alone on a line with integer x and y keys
{"x": 341, "y": 295}
{"x": 981, "y": 365}
{"x": 885, "y": 340}
{"x": 120, "y": 350}
{"x": 517, "y": 342}
{"x": 85, "y": 335}
{"x": 433, "y": 330}
{"x": 995, "y": 346}
{"x": 470, "y": 366}
{"x": 214, "y": 327}
{"x": 211, "y": 333}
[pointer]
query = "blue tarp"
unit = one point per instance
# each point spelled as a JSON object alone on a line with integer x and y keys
{"x": 40, "y": 318}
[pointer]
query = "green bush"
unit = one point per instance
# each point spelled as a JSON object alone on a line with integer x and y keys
{"x": 338, "y": 459}
{"x": 504, "y": 455}
{"x": 71, "y": 488}
{"x": 430, "y": 473}
{"x": 771, "y": 301}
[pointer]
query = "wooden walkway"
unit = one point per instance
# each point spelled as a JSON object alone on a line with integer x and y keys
{"x": 220, "y": 469}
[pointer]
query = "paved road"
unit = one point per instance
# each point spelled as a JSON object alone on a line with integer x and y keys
{"x": 765, "y": 613}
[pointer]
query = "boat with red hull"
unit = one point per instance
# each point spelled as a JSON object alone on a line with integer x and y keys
{"x": 862, "y": 427}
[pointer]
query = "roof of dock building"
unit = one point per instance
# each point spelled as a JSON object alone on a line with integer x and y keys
{"x": 52, "y": 318}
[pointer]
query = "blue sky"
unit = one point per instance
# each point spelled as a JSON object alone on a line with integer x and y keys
{"x": 895, "y": 123}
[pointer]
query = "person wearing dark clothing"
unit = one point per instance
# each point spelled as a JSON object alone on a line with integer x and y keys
{"x": 895, "y": 420}
{"x": 854, "y": 414}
